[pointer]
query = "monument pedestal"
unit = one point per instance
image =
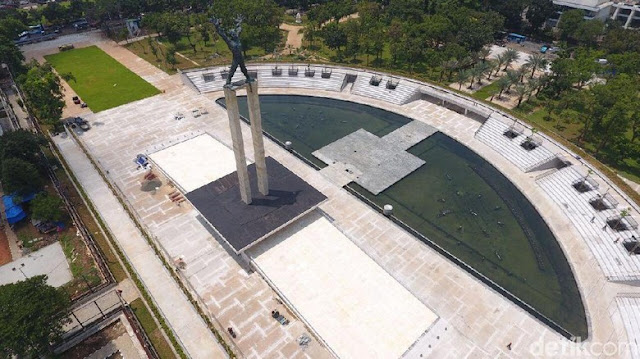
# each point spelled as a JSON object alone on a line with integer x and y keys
{"x": 255, "y": 120}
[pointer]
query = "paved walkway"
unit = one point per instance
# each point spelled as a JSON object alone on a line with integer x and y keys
{"x": 190, "y": 329}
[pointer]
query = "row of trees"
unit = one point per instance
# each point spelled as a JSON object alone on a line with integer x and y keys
{"x": 595, "y": 84}
{"x": 261, "y": 19}
{"x": 415, "y": 36}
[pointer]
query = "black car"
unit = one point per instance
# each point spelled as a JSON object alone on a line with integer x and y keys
{"x": 76, "y": 122}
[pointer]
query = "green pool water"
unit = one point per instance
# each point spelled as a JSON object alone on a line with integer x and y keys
{"x": 457, "y": 201}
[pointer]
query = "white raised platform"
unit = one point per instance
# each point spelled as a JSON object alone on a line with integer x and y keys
{"x": 492, "y": 134}
{"x": 613, "y": 258}
{"x": 196, "y": 162}
{"x": 357, "y": 308}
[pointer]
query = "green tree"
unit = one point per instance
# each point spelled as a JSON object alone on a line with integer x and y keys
{"x": 47, "y": 208}
{"x": 509, "y": 57}
{"x": 21, "y": 144}
{"x": 569, "y": 23}
{"x": 588, "y": 32}
{"x": 462, "y": 77}
{"x": 334, "y": 37}
{"x": 502, "y": 83}
{"x": 535, "y": 62}
{"x": 619, "y": 40}
{"x": 628, "y": 62}
{"x": 170, "y": 56}
{"x": 43, "y": 92}
{"x": 153, "y": 48}
{"x": 353, "y": 46}
{"x": 538, "y": 12}
{"x": 511, "y": 10}
{"x": 614, "y": 124}
{"x": 475, "y": 29}
{"x": 32, "y": 316}
{"x": 20, "y": 176}
{"x": 521, "y": 91}
{"x": 10, "y": 27}
{"x": 55, "y": 14}
{"x": 11, "y": 55}
{"x": 261, "y": 21}
{"x": 310, "y": 32}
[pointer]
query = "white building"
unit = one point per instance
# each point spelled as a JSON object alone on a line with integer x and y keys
{"x": 627, "y": 12}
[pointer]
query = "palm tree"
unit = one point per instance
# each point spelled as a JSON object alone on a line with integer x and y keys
{"x": 476, "y": 73}
{"x": 535, "y": 62}
{"x": 513, "y": 77}
{"x": 502, "y": 84}
{"x": 491, "y": 65}
{"x": 449, "y": 66}
{"x": 309, "y": 32}
{"x": 482, "y": 68}
{"x": 462, "y": 77}
{"x": 521, "y": 91}
{"x": 533, "y": 84}
{"x": 510, "y": 56}
{"x": 483, "y": 53}
{"x": 522, "y": 71}
{"x": 500, "y": 59}
{"x": 542, "y": 81}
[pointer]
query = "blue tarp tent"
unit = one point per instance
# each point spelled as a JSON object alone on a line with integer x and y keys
{"x": 13, "y": 211}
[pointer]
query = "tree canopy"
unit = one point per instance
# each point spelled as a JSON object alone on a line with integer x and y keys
{"x": 32, "y": 315}
{"x": 46, "y": 207}
{"x": 20, "y": 176}
{"x": 43, "y": 92}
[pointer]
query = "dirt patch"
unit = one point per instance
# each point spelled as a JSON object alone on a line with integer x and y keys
{"x": 294, "y": 35}
{"x": 5, "y": 252}
{"x": 96, "y": 341}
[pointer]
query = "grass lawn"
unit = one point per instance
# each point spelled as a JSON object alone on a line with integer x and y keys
{"x": 100, "y": 80}
{"x": 486, "y": 91}
{"x": 152, "y": 330}
{"x": 628, "y": 167}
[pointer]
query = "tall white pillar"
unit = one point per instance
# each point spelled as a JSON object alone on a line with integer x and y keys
{"x": 256, "y": 134}
{"x": 238, "y": 145}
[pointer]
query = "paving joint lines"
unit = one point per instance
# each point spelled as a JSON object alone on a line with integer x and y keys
{"x": 175, "y": 347}
{"x": 163, "y": 260}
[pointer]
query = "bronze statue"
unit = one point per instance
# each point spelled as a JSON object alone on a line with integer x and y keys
{"x": 232, "y": 38}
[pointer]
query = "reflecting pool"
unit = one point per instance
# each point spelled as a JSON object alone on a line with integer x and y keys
{"x": 457, "y": 203}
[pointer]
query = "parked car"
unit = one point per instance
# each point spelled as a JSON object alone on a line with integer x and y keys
{"x": 78, "y": 122}
{"x": 544, "y": 49}
{"x": 76, "y": 100}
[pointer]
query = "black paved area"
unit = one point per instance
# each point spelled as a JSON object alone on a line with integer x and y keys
{"x": 243, "y": 225}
